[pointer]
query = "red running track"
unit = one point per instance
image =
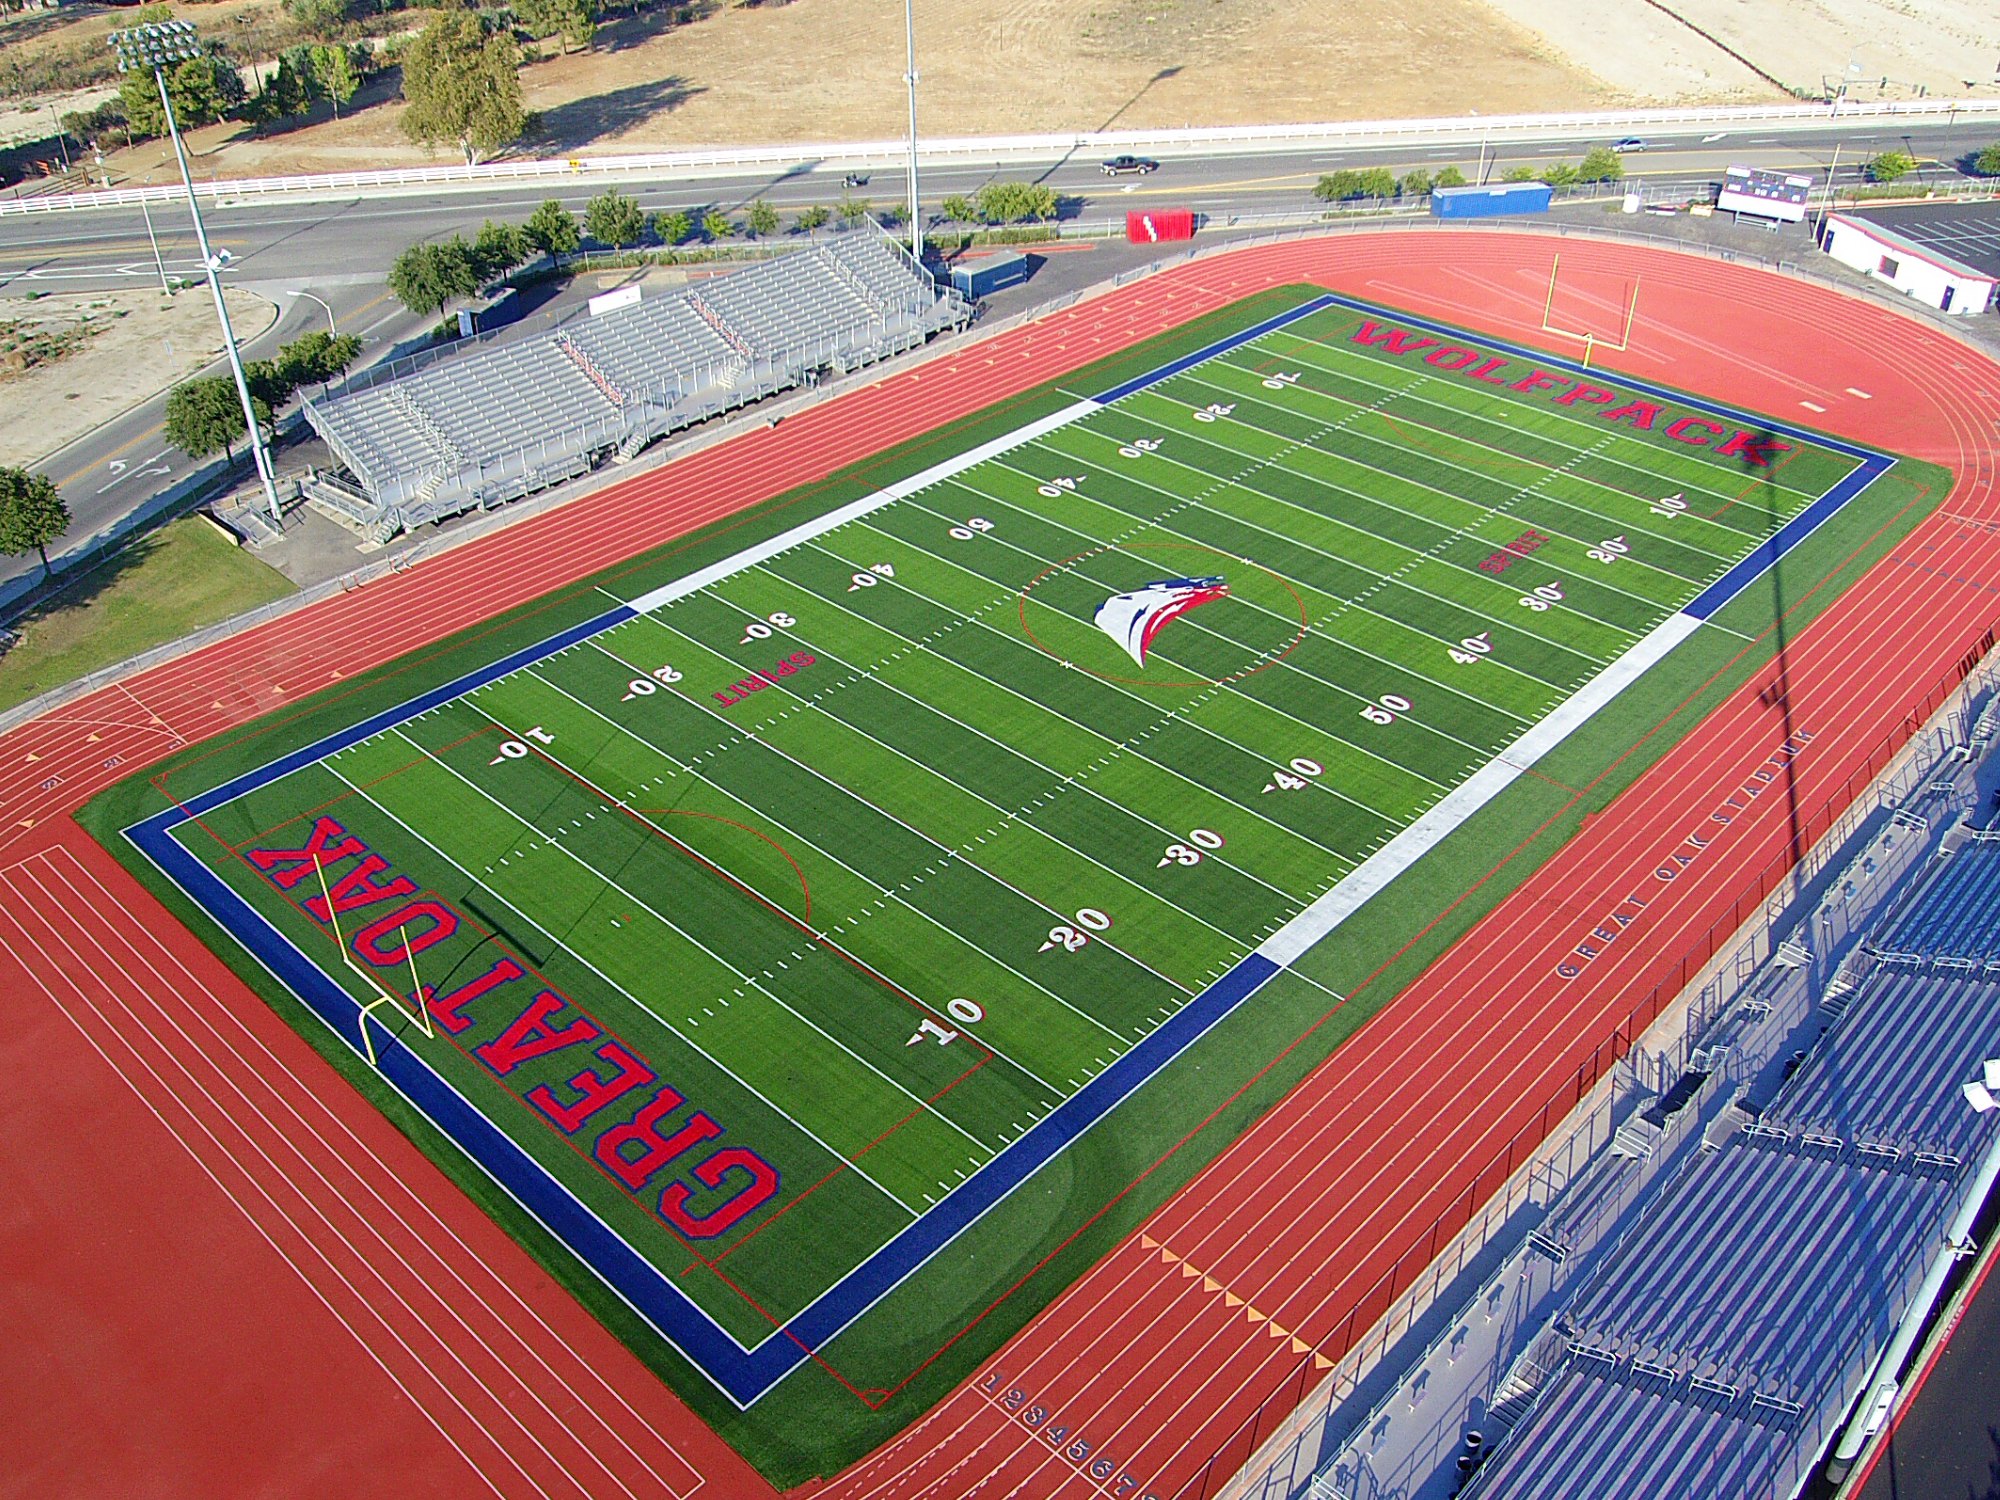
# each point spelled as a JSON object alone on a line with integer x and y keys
{"x": 298, "y": 1301}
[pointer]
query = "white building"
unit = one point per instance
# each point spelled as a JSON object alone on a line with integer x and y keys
{"x": 1911, "y": 254}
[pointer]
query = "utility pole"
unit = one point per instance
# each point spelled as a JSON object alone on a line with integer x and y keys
{"x": 154, "y": 47}
{"x": 153, "y": 239}
{"x": 910, "y": 77}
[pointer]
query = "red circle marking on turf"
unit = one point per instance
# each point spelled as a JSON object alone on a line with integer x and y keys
{"x": 1155, "y": 682}
{"x": 805, "y": 889}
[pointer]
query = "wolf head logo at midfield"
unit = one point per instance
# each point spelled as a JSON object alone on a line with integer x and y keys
{"x": 1132, "y": 620}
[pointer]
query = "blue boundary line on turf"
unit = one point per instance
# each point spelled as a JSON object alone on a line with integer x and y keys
{"x": 744, "y": 1375}
{"x": 1220, "y": 346}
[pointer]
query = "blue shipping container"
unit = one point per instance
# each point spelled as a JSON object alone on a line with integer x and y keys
{"x": 981, "y": 277}
{"x": 1490, "y": 201}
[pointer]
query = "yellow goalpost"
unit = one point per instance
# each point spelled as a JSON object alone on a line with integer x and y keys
{"x": 416, "y": 1011}
{"x": 1589, "y": 340}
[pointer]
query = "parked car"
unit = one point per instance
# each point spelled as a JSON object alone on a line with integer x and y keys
{"x": 1120, "y": 166}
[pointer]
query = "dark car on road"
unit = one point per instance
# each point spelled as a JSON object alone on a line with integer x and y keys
{"x": 1120, "y": 166}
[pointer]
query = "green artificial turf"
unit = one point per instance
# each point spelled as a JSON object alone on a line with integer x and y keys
{"x": 879, "y": 849}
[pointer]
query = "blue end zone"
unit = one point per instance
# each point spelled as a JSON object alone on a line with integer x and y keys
{"x": 744, "y": 1375}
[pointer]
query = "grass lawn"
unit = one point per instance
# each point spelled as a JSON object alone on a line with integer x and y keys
{"x": 179, "y": 579}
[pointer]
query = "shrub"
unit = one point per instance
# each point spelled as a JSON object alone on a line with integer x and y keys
{"x": 612, "y": 218}
{"x": 1890, "y": 166}
{"x": 1987, "y": 162}
{"x": 672, "y": 225}
{"x": 1601, "y": 164}
{"x": 1416, "y": 184}
{"x": 1449, "y": 177}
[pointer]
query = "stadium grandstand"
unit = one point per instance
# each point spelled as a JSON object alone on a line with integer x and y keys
{"x": 1716, "y": 1350}
{"x": 1722, "y": 1301}
{"x": 483, "y": 425}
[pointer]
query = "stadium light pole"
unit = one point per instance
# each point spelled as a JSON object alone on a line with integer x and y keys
{"x": 153, "y": 47}
{"x": 910, "y": 77}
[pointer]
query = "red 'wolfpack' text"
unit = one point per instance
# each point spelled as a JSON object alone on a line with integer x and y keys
{"x": 523, "y": 1018}
{"x": 1756, "y": 449}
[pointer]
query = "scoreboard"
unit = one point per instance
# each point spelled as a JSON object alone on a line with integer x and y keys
{"x": 1770, "y": 195}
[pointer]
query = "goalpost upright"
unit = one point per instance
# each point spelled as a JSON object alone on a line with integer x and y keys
{"x": 1589, "y": 340}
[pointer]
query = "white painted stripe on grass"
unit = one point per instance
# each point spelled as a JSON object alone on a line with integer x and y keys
{"x": 854, "y": 510}
{"x": 1289, "y": 942}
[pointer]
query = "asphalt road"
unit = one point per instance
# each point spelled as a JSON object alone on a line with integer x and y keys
{"x": 341, "y": 250}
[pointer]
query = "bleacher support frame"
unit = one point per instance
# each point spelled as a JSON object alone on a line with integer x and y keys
{"x": 502, "y": 420}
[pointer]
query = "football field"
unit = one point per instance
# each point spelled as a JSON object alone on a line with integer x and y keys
{"x": 761, "y": 933}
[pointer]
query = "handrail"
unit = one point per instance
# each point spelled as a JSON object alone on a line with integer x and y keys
{"x": 1194, "y": 141}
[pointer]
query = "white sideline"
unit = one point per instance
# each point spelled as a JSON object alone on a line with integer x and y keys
{"x": 763, "y": 551}
{"x": 1208, "y": 140}
{"x": 1290, "y": 941}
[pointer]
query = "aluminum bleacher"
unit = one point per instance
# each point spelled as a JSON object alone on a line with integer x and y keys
{"x": 1721, "y": 1342}
{"x": 1957, "y": 915}
{"x": 478, "y": 428}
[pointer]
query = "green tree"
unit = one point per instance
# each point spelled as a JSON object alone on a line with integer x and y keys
{"x": 1601, "y": 164}
{"x": 498, "y": 248}
{"x": 290, "y": 89}
{"x": 1560, "y": 174}
{"x": 1987, "y": 162}
{"x": 269, "y": 389}
{"x": 203, "y": 90}
{"x": 1890, "y": 166}
{"x": 462, "y": 86}
{"x": 1338, "y": 187}
{"x": 1449, "y": 177}
{"x": 1014, "y": 202}
{"x": 761, "y": 218}
{"x": 716, "y": 225}
{"x": 321, "y": 18}
{"x": 335, "y": 74}
{"x": 1519, "y": 174}
{"x": 958, "y": 209}
{"x": 611, "y": 218}
{"x": 204, "y": 414}
{"x": 32, "y": 514}
{"x": 152, "y": 15}
{"x": 314, "y": 357}
{"x": 551, "y": 229}
{"x": 853, "y": 210}
{"x": 427, "y": 276}
{"x": 816, "y": 217}
{"x": 673, "y": 225}
{"x": 574, "y": 21}
{"x": 1415, "y": 184}
{"x": 1378, "y": 182}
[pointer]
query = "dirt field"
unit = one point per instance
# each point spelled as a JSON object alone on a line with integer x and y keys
{"x": 830, "y": 70}
{"x": 1654, "y": 55}
{"x": 157, "y": 342}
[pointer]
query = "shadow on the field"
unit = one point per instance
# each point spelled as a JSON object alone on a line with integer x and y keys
{"x": 1777, "y": 691}
{"x": 601, "y": 116}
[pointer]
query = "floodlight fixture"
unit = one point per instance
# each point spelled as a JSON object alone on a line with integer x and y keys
{"x": 155, "y": 45}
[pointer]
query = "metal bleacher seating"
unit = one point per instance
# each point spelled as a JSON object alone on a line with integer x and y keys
{"x": 1718, "y": 1346}
{"x": 1957, "y": 916}
{"x": 482, "y": 426}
